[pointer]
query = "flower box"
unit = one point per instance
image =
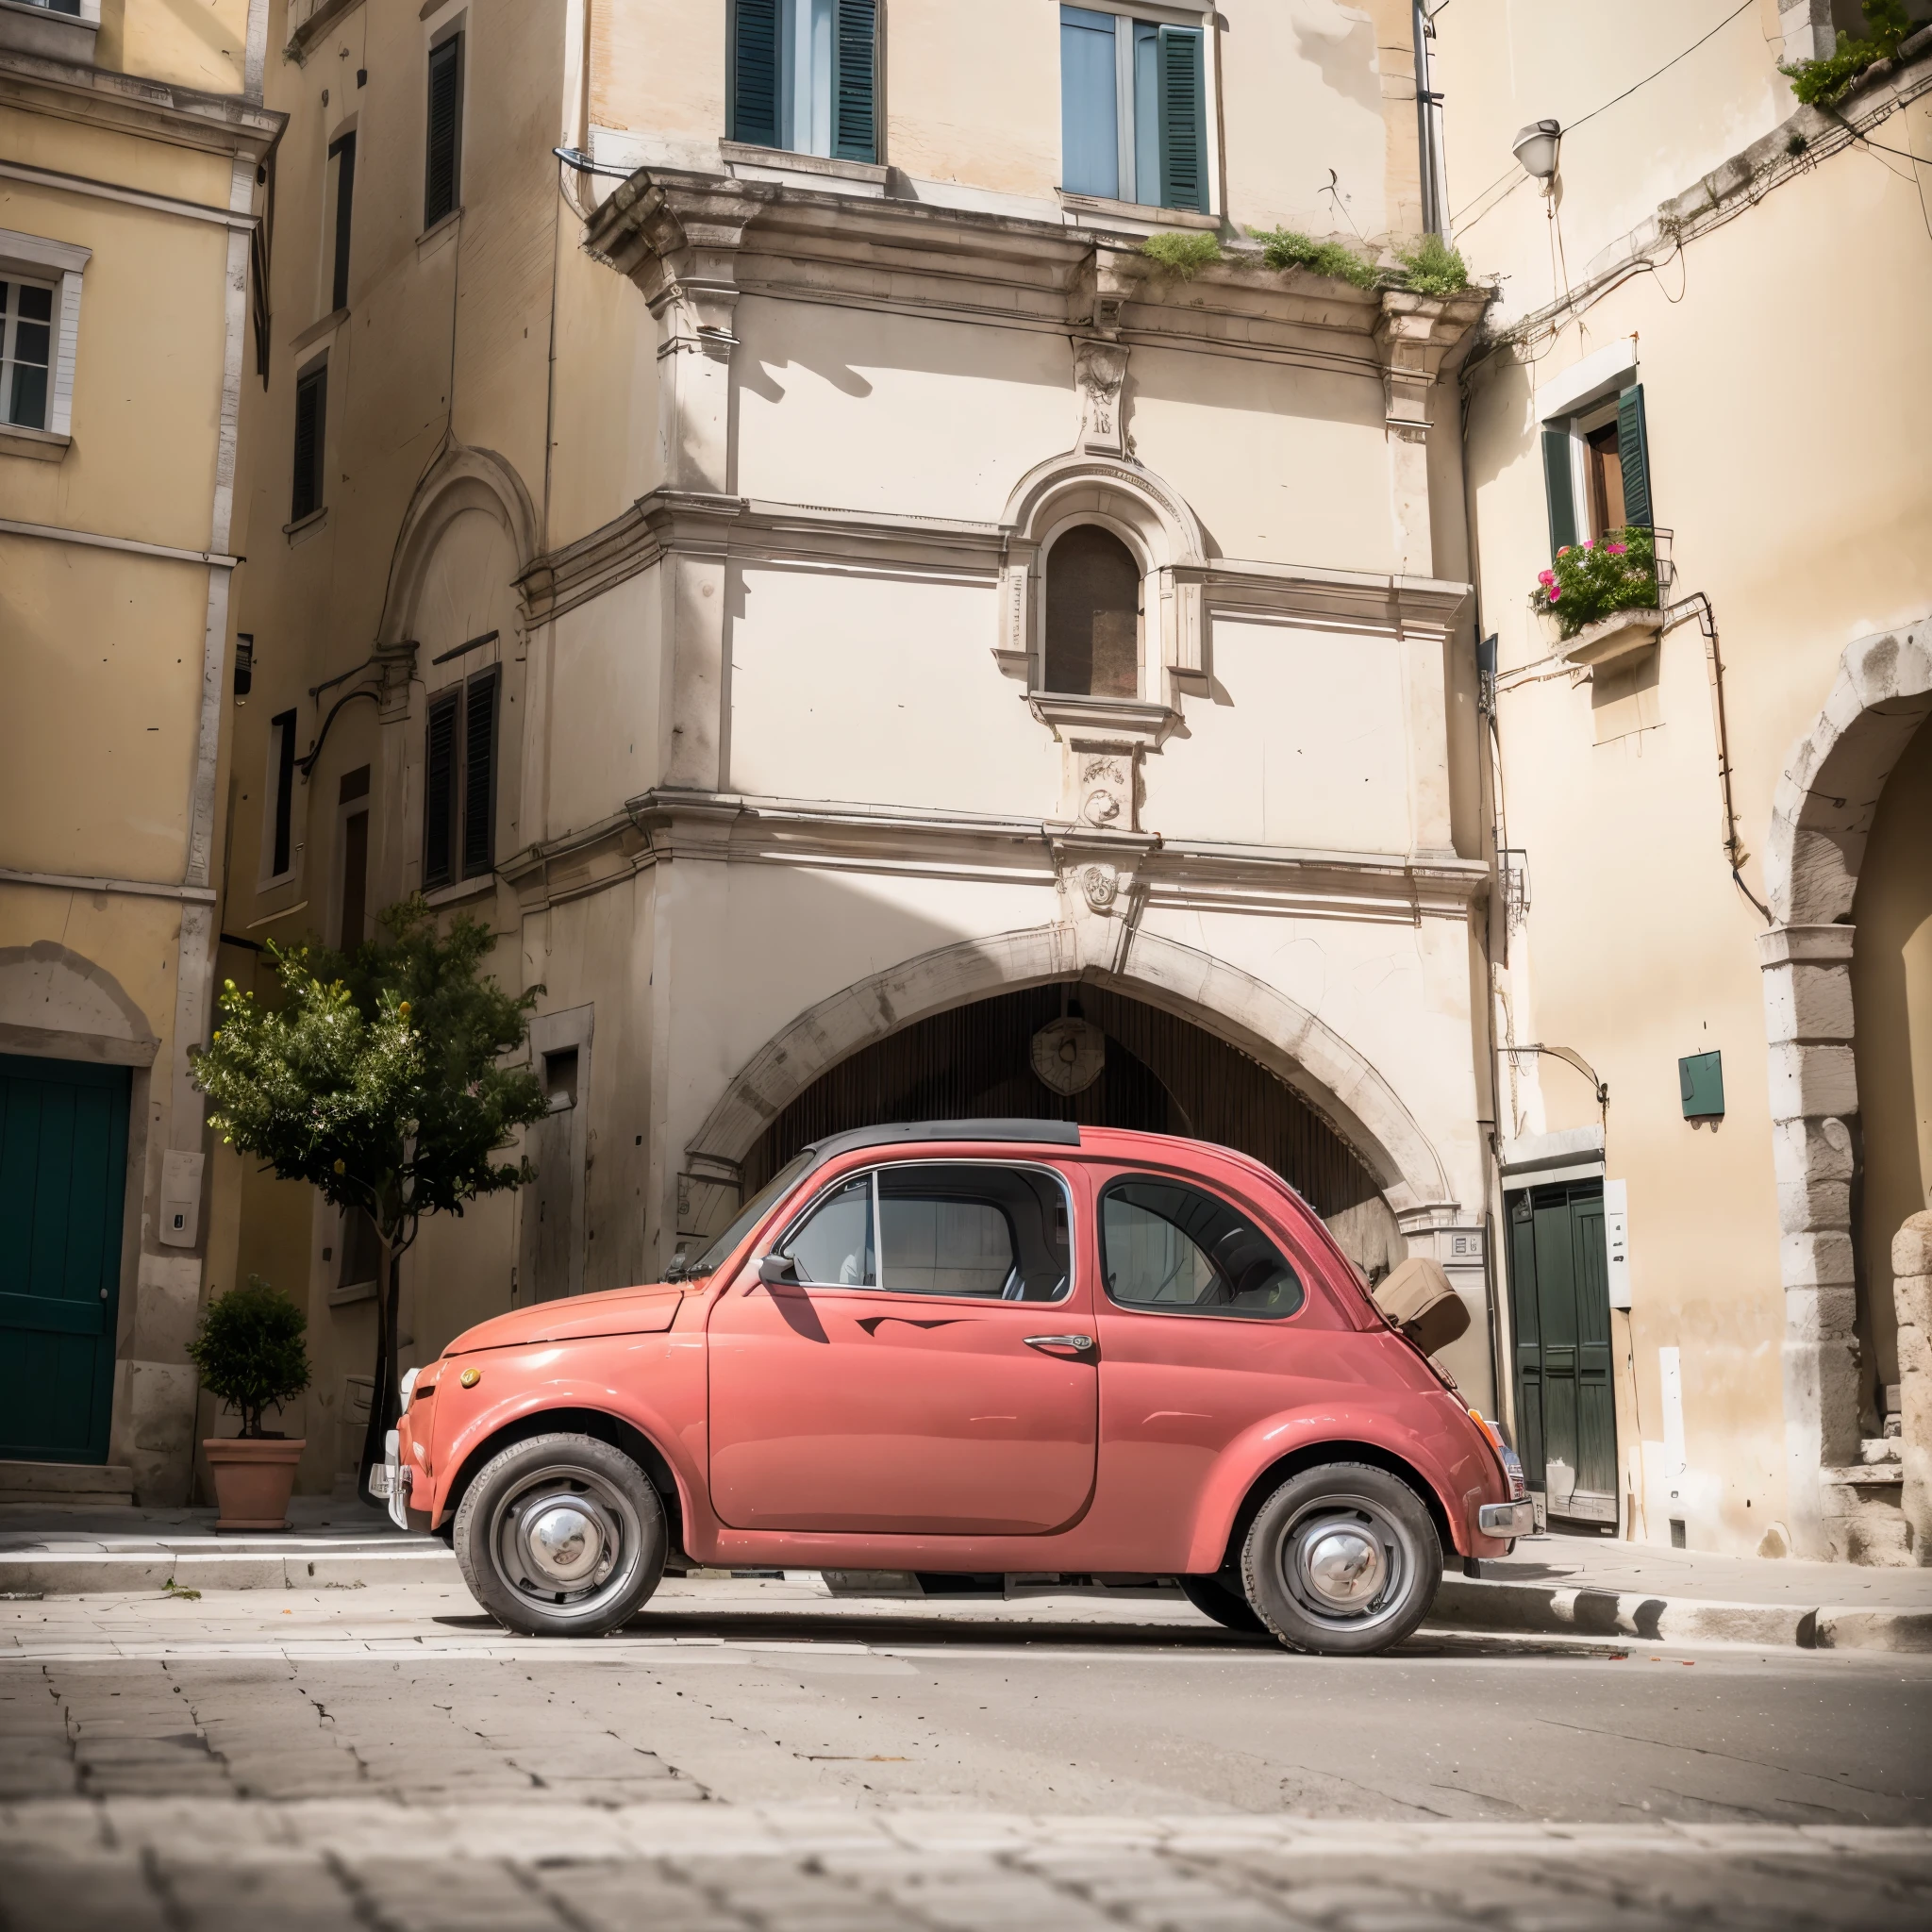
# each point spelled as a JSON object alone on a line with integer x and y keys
{"x": 1611, "y": 639}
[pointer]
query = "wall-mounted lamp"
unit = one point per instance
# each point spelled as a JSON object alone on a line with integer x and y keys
{"x": 1536, "y": 148}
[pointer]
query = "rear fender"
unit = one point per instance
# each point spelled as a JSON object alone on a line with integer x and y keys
{"x": 1266, "y": 1455}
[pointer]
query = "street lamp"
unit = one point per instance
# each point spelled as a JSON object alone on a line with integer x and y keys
{"x": 1536, "y": 148}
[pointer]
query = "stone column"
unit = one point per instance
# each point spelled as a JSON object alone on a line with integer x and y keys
{"x": 1911, "y": 1294}
{"x": 1807, "y": 1002}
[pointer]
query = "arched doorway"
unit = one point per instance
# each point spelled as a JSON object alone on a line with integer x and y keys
{"x": 1158, "y": 1072}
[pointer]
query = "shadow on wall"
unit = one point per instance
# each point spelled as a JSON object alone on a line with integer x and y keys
{"x": 1340, "y": 43}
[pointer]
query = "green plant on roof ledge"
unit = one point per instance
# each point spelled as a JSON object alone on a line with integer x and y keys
{"x": 1431, "y": 267}
{"x": 1597, "y": 577}
{"x": 1818, "y": 83}
{"x": 1183, "y": 255}
{"x": 1426, "y": 266}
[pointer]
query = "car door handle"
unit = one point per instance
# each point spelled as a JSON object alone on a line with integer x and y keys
{"x": 1079, "y": 1342}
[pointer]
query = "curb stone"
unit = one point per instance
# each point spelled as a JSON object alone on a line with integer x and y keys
{"x": 94, "y": 1572}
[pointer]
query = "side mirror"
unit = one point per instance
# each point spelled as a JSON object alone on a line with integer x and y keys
{"x": 778, "y": 1271}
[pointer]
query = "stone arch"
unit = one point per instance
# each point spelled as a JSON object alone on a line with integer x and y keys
{"x": 460, "y": 479}
{"x": 1822, "y": 815}
{"x": 1292, "y": 1042}
{"x": 57, "y": 1004}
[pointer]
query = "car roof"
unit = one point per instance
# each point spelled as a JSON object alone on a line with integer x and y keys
{"x": 1036, "y": 1133}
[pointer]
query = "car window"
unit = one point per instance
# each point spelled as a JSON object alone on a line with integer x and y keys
{"x": 834, "y": 1243}
{"x": 747, "y": 1218}
{"x": 980, "y": 1228}
{"x": 1179, "y": 1250}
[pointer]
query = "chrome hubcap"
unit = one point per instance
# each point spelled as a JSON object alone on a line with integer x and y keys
{"x": 1345, "y": 1568}
{"x": 1346, "y": 1562}
{"x": 568, "y": 1540}
{"x": 564, "y": 1542}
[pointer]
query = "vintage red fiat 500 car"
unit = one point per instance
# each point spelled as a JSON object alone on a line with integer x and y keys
{"x": 970, "y": 1346}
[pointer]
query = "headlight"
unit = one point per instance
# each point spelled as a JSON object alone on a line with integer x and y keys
{"x": 409, "y": 1387}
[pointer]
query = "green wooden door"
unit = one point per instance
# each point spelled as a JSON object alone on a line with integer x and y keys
{"x": 63, "y": 1159}
{"x": 1559, "y": 1295}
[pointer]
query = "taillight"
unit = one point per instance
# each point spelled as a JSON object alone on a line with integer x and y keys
{"x": 1488, "y": 1427}
{"x": 1512, "y": 1463}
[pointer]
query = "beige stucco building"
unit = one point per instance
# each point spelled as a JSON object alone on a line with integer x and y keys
{"x": 1716, "y": 828}
{"x": 670, "y": 579}
{"x": 130, "y": 142}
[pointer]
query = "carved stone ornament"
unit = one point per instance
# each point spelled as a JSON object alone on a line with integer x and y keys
{"x": 1100, "y": 886}
{"x": 1069, "y": 1054}
{"x": 1100, "y": 369}
{"x": 1103, "y": 792}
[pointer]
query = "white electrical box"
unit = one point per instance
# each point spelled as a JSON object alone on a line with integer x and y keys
{"x": 180, "y": 1199}
{"x": 1617, "y": 1241}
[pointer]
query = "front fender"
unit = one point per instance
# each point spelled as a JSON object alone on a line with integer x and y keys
{"x": 517, "y": 1385}
{"x": 1450, "y": 1460}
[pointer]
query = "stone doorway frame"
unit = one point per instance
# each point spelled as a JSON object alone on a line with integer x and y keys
{"x": 1822, "y": 815}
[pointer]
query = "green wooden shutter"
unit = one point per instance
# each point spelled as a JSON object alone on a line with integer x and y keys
{"x": 1183, "y": 120}
{"x": 755, "y": 72}
{"x": 479, "y": 774}
{"x": 1559, "y": 488}
{"x": 1633, "y": 448}
{"x": 438, "y": 793}
{"x": 855, "y": 120}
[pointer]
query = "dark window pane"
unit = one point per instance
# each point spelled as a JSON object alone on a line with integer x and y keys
{"x": 835, "y": 1246}
{"x": 1092, "y": 615}
{"x": 283, "y": 725}
{"x": 972, "y": 1230}
{"x": 355, "y": 880}
{"x": 36, "y": 304}
{"x": 27, "y": 405}
{"x": 1168, "y": 1247}
{"x": 311, "y": 404}
{"x": 344, "y": 153}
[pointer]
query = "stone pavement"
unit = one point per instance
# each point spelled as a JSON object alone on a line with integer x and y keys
{"x": 759, "y": 1755}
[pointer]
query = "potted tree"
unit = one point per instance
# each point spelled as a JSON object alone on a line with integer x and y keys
{"x": 250, "y": 1352}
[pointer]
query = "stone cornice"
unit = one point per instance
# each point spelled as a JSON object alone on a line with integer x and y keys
{"x": 666, "y": 225}
{"x": 813, "y": 537}
{"x": 126, "y": 103}
{"x": 666, "y": 826}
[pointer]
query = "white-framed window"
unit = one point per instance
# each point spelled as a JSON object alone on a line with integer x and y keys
{"x": 40, "y": 331}
{"x": 1134, "y": 108}
{"x": 804, "y": 76}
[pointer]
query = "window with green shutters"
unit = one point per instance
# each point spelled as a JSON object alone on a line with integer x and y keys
{"x": 1615, "y": 500}
{"x": 1133, "y": 109}
{"x": 804, "y": 76}
{"x": 442, "y": 176}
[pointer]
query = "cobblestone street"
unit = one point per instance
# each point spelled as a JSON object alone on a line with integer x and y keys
{"x": 754, "y": 1755}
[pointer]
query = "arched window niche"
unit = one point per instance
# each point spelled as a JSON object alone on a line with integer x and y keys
{"x": 1093, "y": 634}
{"x": 1101, "y": 595}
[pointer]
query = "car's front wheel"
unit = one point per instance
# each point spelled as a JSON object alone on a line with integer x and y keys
{"x": 561, "y": 1536}
{"x": 1343, "y": 1560}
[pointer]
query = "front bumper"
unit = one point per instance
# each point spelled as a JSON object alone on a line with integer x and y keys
{"x": 1492, "y": 1518}
{"x": 390, "y": 1478}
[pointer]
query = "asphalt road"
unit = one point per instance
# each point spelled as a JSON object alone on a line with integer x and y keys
{"x": 758, "y": 1757}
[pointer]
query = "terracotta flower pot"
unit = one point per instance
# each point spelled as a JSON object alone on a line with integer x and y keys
{"x": 252, "y": 1479}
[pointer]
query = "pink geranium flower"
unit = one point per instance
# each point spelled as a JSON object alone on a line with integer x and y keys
{"x": 1588, "y": 541}
{"x": 1555, "y": 593}
{"x": 1547, "y": 576}
{"x": 1616, "y": 549}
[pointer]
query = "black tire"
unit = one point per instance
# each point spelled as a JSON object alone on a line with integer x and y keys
{"x": 1216, "y": 1597}
{"x": 1343, "y": 1560}
{"x": 561, "y": 1536}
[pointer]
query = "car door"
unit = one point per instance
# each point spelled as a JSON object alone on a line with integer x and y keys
{"x": 1206, "y": 1328}
{"x": 921, "y": 1376}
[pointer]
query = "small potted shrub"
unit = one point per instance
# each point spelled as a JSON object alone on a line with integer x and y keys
{"x": 250, "y": 1352}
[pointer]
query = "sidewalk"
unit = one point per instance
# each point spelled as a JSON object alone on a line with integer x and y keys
{"x": 1563, "y": 1586}
{"x": 1597, "y": 1586}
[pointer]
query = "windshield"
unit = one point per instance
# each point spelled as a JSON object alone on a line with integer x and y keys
{"x": 748, "y": 1218}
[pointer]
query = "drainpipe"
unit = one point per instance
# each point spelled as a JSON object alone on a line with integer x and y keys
{"x": 1428, "y": 127}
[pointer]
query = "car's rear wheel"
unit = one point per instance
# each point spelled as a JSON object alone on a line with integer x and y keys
{"x": 561, "y": 1536}
{"x": 1342, "y": 1561}
{"x": 1216, "y": 1597}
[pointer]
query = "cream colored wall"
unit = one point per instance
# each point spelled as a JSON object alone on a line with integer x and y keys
{"x": 198, "y": 44}
{"x": 1501, "y": 67}
{"x": 1796, "y": 508}
{"x": 1892, "y": 998}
